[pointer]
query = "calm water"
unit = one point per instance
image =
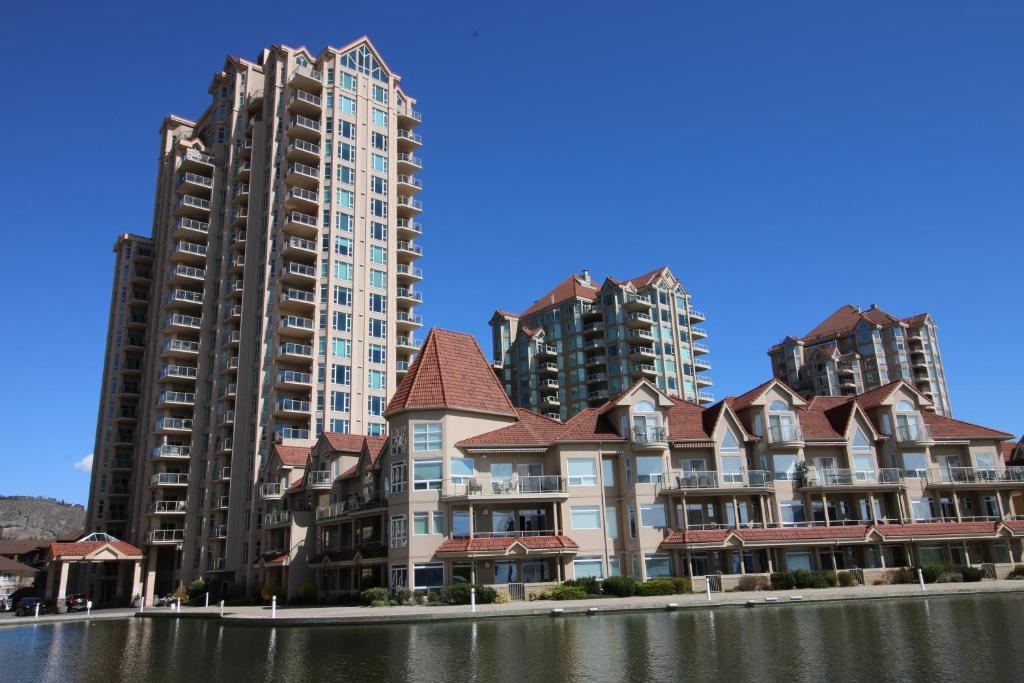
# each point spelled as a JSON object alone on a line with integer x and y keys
{"x": 938, "y": 639}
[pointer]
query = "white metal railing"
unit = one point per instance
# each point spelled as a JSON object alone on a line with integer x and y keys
{"x": 169, "y": 479}
{"x": 294, "y": 376}
{"x": 785, "y": 433}
{"x": 192, "y": 224}
{"x": 913, "y": 432}
{"x": 181, "y": 345}
{"x": 409, "y": 246}
{"x": 297, "y": 322}
{"x": 300, "y": 269}
{"x": 406, "y": 293}
{"x": 975, "y": 475}
{"x": 188, "y": 271}
{"x": 319, "y": 478}
{"x": 292, "y": 433}
{"x": 409, "y": 159}
{"x": 307, "y": 71}
{"x": 184, "y": 320}
{"x": 410, "y": 180}
{"x": 166, "y": 535}
{"x": 404, "y": 134}
{"x": 303, "y": 96}
{"x": 275, "y": 517}
{"x": 177, "y": 397}
{"x": 195, "y": 202}
{"x": 195, "y": 179}
{"x": 299, "y": 243}
{"x": 161, "y": 506}
{"x": 302, "y": 218}
{"x": 196, "y": 155}
{"x": 850, "y": 477}
{"x": 175, "y": 423}
{"x": 332, "y": 511}
{"x": 185, "y": 295}
{"x": 403, "y": 317}
{"x": 304, "y": 146}
{"x": 638, "y": 298}
{"x": 167, "y": 450}
{"x": 304, "y": 169}
{"x": 298, "y": 295}
{"x": 293, "y": 405}
{"x": 409, "y": 201}
{"x": 486, "y": 485}
{"x": 305, "y": 122}
{"x": 409, "y": 342}
{"x": 296, "y": 349}
{"x": 271, "y": 490}
{"x": 713, "y": 479}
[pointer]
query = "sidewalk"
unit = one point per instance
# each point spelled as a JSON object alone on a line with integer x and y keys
{"x": 333, "y": 616}
{"x": 9, "y": 620}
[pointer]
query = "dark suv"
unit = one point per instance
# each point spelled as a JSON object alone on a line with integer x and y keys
{"x": 76, "y": 601}
{"x": 27, "y": 607}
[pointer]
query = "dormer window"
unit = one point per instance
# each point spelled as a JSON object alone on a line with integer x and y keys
{"x": 908, "y": 426}
{"x": 647, "y": 423}
{"x": 782, "y": 424}
{"x": 729, "y": 442}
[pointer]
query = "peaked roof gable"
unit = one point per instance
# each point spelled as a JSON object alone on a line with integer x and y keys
{"x": 530, "y": 429}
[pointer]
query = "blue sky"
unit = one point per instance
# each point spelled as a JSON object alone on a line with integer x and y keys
{"x": 783, "y": 158}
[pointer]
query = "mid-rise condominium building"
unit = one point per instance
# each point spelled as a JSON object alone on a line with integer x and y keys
{"x": 854, "y": 351}
{"x": 275, "y": 301}
{"x": 469, "y": 487}
{"x": 585, "y": 341}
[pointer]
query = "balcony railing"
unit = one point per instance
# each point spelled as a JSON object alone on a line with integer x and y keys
{"x": 785, "y": 434}
{"x": 291, "y": 432}
{"x": 646, "y": 435}
{"x": 293, "y": 405}
{"x": 294, "y": 377}
{"x": 272, "y": 490}
{"x": 319, "y": 478}
{"x": 297, "y": 350}
{"x": 168, "y": 506}
{"x": 171, "y": 451}
{"x": 174, "y": 423}
{"x": 913, "y": 433}
{"x": 169, "y": 479}
{"x": 975, "y": 475}
{"x": 850, "y": 477}
{"x": 166, "y": 536}
{"x": 710, "y": 479}
{"x": 486, "y": 485}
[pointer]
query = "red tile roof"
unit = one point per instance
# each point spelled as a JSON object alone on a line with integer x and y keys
{"x": 915, "y": 319}
{"x": 374, "y": 447}
{"x": 474, "y": 545}
{"x": 825, "y": 418}
{"x": 21, "y": 546}
{"x": 686, "y": 421}
{"x": 292, "y": 456}
{"x": 744, "y": 400}
{"x": 802, "y": 533}
{"x": 451, "y": 371}
{"x": 589, "y": 425}
{"x": 647, "y": 279}
{"x": 679, "y": 536}
{"x": 15, "y": 567}
{"x": 948, "y": 428}
{"x": 879, "y": 395}
{"x": 845, "y": 318}
{"x": 936, "y": 529}
{"x": 569, "y": 288}
{"x": 349, "y": 443}
{"x": 81, "y": 548}
{"x": 530, "y": 429}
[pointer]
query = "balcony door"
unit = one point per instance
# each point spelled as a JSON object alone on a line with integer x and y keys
{"x": 506, "y": 571}
{"x": 826, "y": 470}
{"x": 781, "y": 426}
{"x": 949, "y": 466}
{"x": 530, "y": 477}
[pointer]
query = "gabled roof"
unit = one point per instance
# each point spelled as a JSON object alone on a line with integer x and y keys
{"x": 349, "y": 443}
{"x": 86, "y": 548}
{"x": 15, "y": 567}
{"x": 825, "y": 418}
{"x": 879, "y": 395}
{"x": 745, "y": 400}
{"x": 648, "y": 279}
{"x": 471, "y": 545}
{"x": 21, "y": 546}
{"x": 570, "y": 288}
{"x": 589, "y": 425}
{"x": 374, "y": 447}
{"x": 948, "y": 428}
{"x": 292, "y": 456}
{"x": 530, "y": 429}
{"x": 450, "y": 371}
{"x": 686, "y": 421}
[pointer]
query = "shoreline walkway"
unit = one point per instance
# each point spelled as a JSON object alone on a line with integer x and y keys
{"x": 260, "y": 615}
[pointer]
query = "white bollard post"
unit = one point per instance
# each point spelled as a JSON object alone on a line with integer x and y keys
{"x": 472, "y": 599}
{"x": 178, "y": 605}
{"x": 222, "y": 608}
{"x": 207, "y": 598}
{"x": 37, "y": 610}
{"x": 88, "y": 608}
{"x": 707, "y": 585}
{"x": 920, "y": 577}
{"x": 273, "y": 607}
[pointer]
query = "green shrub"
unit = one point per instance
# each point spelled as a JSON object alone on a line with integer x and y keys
{"x": 620, "y": 586}
{"x": 502, "y": 598}
{"x": 383, "y": 603}
{"x": 1017, "y": 572}
{"x": 180, "y": 593}
{"x": 846, "y": 579}
{"x": 590, "y": 584}
{"x": 307, "y": 591}
{"x": 971, "y": 574}
{"x": 803, "y": 579}
{"x": 370, "y": 596}
{"x": 752, "y": 583}
{"x": 902, "y": 575}
{"x": 656, "y": 587}
{"x": 403, "y": 596}
{"x": 782, "y": 581}
{"x": 682, "y": 584}
{"x": 831, "y": 579}
{"x": 932, "y": 572}
{"x": 196, "y": 589}
{"x": 459, "y": 594}
{"x": 563, "y": 592}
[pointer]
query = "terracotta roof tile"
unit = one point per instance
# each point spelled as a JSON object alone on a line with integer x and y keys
{"x": 21, "y": 546}
{"x": 878, "y": 396}
{"x": 374, "y": 447}
{"x": 936, "y": 529}
{"x": 349, "y": 443}
{"x": 451, "y": 371}
{"x": 679, "y": 536}
{"x": 569, "y": 288}
{"x": 292, "y": 456}
{"x": 530, "y": 429}
{"x": 946, "y": 428}
{"x": 79, "y": 548}
{"x": 589, "y": 425}
{"x": 476, "y": 545}
{"x": 647, "y": 279}
{"x": 802, "y": 533}
{"x": 744, "y": 400}
{"x": 15, "y": 567}
{"x": 686, "y": 421}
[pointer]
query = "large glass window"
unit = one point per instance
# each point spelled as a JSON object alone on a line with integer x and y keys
{"x": 427, "y": 474}
{"x": 648, "y": 469}
{"x": 420, "y": 523}
{"x": 792, "y": 512}
{"x": 461, "y": 469}
{"x": 798, "y": 559}
{"x": 428, "y": 576}
{"x": 583, "y": 567}
{"x": 653, "y": 516}
{"x": 785, "y": 465}
{"x": 611, "y": 522}
{"x": 658, "y": 566}
{"x": 426, "y": 436}
{"x": 582, "y": 472}
{"x": 608, "y": 472}
{"x": 460, "y": 524}
{"x": 585, "y": 517}
{"x": 915, "y": 465}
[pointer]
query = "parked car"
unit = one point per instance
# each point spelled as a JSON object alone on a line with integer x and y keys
{"x": 27, "y": 607}
{"x": 76, "y": 601}
{"x": 164, "y": 600}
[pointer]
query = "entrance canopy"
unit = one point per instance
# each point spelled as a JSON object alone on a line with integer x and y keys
{"x": 97, "y": 547}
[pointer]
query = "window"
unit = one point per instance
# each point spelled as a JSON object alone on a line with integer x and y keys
{"x": 342, "y": 322}
{"x": 420, "y": 523}
{"x": 380, "y": 117}
{"x": 583, "y": 567}
{"x": 426, "y": 436}
{"x": 428, "y": 576}
{"x": 611, "y": 522}
{"x": 346, "y": 175}
{"x": 341, "y": 348}
{"x": 378, "y": 231}
{"x": 461, "y": 469}
{"x": 658, "y": 566}
{"x": 376, "y": 379}
{"x": 375, "y": 405}
{"x": 648, "y": 469}
{"x": 340, "y": 401}
{"x": 341, "y": 374}
{"x": 378, "y": 328}
{"x": 342, "y": 295}
{"x": 922, "y": 508}
{"x": 346, "y": 129}
{"x": 460, "y": 524}
{"x": 585, "y": 517}
{"x": 732, "y": 469}
{"x": 378, "y": 279}
{"x": 426, "y": 475}
{"x": 346, "y": 199}
{"x": 379, "y": 141}
{"x": 985, "y": 461}
{"x": 346, "y": 152}
{"x": 582, "y": 472}
{"x": 792, "y": 512}
{"x": 378, "y": 185}
{"x": 438, "y": 526}
{"x": 379, "y": 163}
{"x": 608, "y": 472}
{"x": 378, "y": 303}
{"x": 346, "y": 104}
{"x": 860, "y": 442}
{"x": 785, "y": 465}
{"x": 398, "y": 473}
{"x": 729, "y": 442}
{"x": 915, "y": 465}
{"x": 342, "y": 271}
{"x": 380, "y": 94}
{"x": 348, "y": 82}
{"x": 653, "y": 516}
{"x": 632, "y": 521}
{"x": 378, "y": 254}
{"x": 798, "y": 559}
{"x": 613, "y": 566}
{"x": 379, "y": 208}
{"x": 377, "y": 353}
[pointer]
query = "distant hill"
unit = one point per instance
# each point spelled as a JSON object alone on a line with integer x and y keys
{"x": 46, "y": 518}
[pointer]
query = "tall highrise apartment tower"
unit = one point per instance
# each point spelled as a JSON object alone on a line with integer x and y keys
{"x": 853, "y": 351}
{"x": 283, "y": 294}
{"x": 586, "y": 341}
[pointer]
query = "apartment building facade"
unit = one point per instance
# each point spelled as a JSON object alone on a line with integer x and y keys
{"x": 283, "y": 294}
{"x": 854, "y": 351}
{"x": 469, "y": 487}
{"x": 585, "y": 341}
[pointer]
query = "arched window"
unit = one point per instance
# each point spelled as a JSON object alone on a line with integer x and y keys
{"x": 644, "y": 407}
{"x": 905, "y": 406}
{"x": 778, "y": 405}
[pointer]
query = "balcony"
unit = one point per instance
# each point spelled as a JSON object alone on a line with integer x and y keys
{"x": 409, "y": 250}
{"x": 238, "y": 264}
{"x": 597, "y": 360}
{"x": 408, "y": 228}
{"x": 306, "y": 78}
{"x": 639, "y": 320}
{"x": 254, "y": 100}
{"x": 189, "y": 205}
{"x": 298, "y": 273}
{"x": 641, "y": 353}
{"x": 178, "y": 321}
{"x": 547, "y": 368}
{"x": 301, "y": 225}
{"x": 484, "y": 486}
{"x": 407, "y": 343}
{"x": 219, "y": 532}
{"x": 181, "y": 274}
{"x": 407, "y": 163}
{"x": 302, "y": 199}
{"x": 644, "y": 370}
{"x": 270, "y": 491}
{"x": 188, "y": 252}
{"x": 194, "y": 160}
{"x": 225, "y": 446}
{"x": 592, "y": 312}
{"x": 277, "y": 518}
{"x": 219, "y": 503}
{"x": 593, "y": 329}
{"x": 701, "y": 364}
{"x": 241, "y": 194}
{"x": 303, "y": 175}
{"x": 228, "y": 418}
{"x": 704, "y": 398}
{"x": 297, "y": 299}
{"x": 548, "y": 385}
{"x": 596, "y": 378}
{"x": 408, "y": 206}
{"x": 244, "y": 170}
{"x": 296, "y": 352}
{"x": 292, "y": 406}
{"x": 886, "y": 477}
{"x": 637, "y": 302}
{"x": 240, "y": 217}
{"x": 168, "y": 507}
{"x": 546, "y": 351}
{"x": 409, "y": 295}
{"x": 169, "y": 479}
{"x": 409, "y": 118}
{"x": 294, "y": 379}
{"x": 711, "y": 480}
{"x": 244, "y": 148}
{"x": 408, "y": 321}
{"x": 193, "y": 182}
{"x": 408, "y": 274}
{"x": 291, "y": 432}
{"x": 785, "y": 436}
{"x": 550, "y": 401}
{"x": 178, "y": 372}
{"x": 977, "y": 477}
{"x": 914, "y": 434}
{"x": 303, "y": 102}
{"x": 293, "y": 325}
{"x": 699, "y": 333}
{"x": 304, "y": 128}
{"x": 650, "y": 436}
{"x": 401, "y": 367}
{"x": 699, "y": 349}
{"x": 168, "y": 451}
{"x": 597, "y": 395}
{"x": 165, "y": 536}
{"x": 173, "y": 425}
{"x": 319, "y": 479}
{"x": 191, "y": 228}
{"x": 704, "y": 381}
{"x": 180, "y": 347}
{"x": 185, "y": 297}
{"x": 696, "y": 316}
{"x": 176, "y": 398}
{"x": 409, "y": 184}
{"x": 413, "y": 140}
